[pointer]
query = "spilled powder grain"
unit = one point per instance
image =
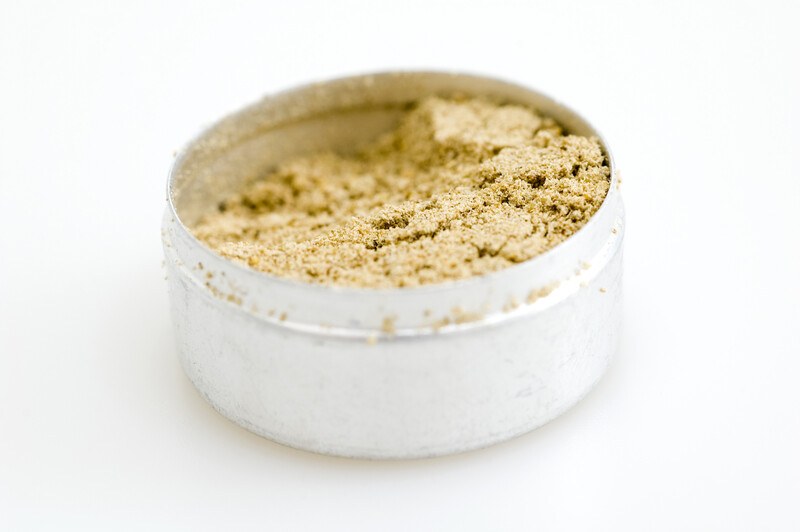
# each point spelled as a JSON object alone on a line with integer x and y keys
{"x": 460, "y": 188}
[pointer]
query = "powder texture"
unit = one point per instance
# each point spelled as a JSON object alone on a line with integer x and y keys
{"x": 462, "y": 187}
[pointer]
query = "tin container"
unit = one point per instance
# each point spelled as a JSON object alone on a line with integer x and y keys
{"x": 461, "y": 365}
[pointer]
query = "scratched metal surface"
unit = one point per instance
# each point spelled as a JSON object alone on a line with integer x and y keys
{"x": 311, "y": 367}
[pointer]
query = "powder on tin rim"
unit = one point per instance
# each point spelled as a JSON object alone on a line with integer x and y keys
{"x": 462, "y": 187}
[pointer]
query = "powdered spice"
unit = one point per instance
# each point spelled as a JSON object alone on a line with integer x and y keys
{"x": 462, "y": 187}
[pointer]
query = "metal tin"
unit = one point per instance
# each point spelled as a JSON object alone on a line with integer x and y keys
{"x": 383, "y": 373}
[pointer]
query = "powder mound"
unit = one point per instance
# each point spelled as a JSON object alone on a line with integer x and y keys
{"x": 461, "y": 188}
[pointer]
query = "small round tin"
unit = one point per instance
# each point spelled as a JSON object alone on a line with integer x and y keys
{"x": 383, "y": 373}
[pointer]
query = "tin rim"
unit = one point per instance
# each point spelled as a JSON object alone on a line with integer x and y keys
{"x": 592, "y": 242}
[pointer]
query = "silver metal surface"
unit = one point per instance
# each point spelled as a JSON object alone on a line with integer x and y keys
{"x": 314, "y": 367}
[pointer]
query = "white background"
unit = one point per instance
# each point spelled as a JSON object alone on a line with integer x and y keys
{"x": 696, "y": 425}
